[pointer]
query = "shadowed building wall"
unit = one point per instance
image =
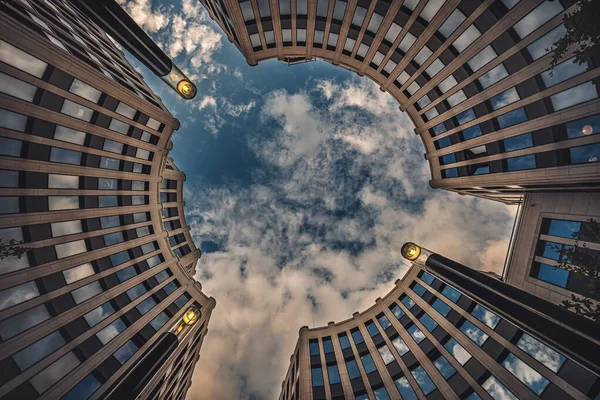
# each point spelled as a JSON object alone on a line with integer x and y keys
{"x": 87, "y": 185}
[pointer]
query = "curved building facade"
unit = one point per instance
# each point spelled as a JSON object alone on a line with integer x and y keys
{"x": 428, "y": 340}
{"x": 87, "y": 187}
{"x": 473, "y": 76}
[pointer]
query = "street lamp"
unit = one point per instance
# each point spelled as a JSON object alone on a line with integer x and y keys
{"x": 109, "y": 15}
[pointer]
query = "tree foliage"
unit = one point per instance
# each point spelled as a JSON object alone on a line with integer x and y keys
{"x": 583, "y": 33}
{"x": 12, "y": 248}
{"x": 585, "y": 262}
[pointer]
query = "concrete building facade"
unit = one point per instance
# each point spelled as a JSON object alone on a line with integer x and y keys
{"x": 427, "y": 340}
{"x": 474, "y": 76}
{"x": 87, "y": 186}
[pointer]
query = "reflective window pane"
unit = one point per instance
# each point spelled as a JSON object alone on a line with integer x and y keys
{"x": 53, "y": 373}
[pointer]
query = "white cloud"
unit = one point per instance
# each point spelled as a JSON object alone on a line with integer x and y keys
{"x": 321, "y": 238}
{"x": 152, "y": 20}
{"x": 207, "y": 101}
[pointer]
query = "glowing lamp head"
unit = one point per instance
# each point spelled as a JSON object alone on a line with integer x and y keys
{"x": 411, "y": 251}
{"x": 190, "y": 317}
{"x": 186, "y": 89}
{"x": 587, "y": 130}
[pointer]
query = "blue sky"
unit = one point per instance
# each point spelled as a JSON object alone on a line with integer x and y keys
{"x": 303, "y": 182}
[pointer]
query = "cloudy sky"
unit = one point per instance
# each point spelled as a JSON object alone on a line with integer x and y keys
{"x": 303, "y": 183}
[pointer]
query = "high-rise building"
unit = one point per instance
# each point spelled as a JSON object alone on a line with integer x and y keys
{"x": 446, "y": 331}
{"x": 548, "y": 224}
{"x": 86, "y": 184}
{"x": 474, "y": 76}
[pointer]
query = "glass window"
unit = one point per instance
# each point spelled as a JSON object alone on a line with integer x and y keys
{"x": 53, "y": 373}
{"x": 317, "y": 377}
{"x": 349, "y": 45}
{"x": 368, "y": 363}
{"x": 63, "y": 181}
{"x": 333, "y": 38}
{"x": 436, "y": 66}
{"x": 505, "y": 98}
{"x": 111, "y": 331}
{"x": 136, "y": 291}
{"x": 575, "y": 95}
{"x": 125, "y": 352}
{"x": 118, "y": 126}
{"x": 374, "y": 23}
{"x": 65, "y": 156}
{"x": 565, "y": 229}
{"x": 452, "y": 294}
{"x": 474, "y": 333}
{"x": 447, "y": 84}
{"x": 372, "y": 329}
{"x": 377, "y": 58}
{"x": 110, "y": 221}
{"x": 432, "y": 7}
{"x": 485, "y": 316}
{"x": 563, "y": 71}
{"x": 10, "y": 147}
{"x": 86, "y": 292}
{"x": 322, "y": 8}
{"x": 84, "y": 90}
{"x": 583, "y": 127}
{"x": 431, "y": 114}
{"x": 428, "y": 322}
{"x": 530, "y": 377}
{"x": 400, "y": 346}
{"x": 512, "y": 118}
{"x": 406, "y": 391}
{"x": 384, "y": 322}
{"x": 466, "y": 38}
{"x": 423, "y": 55}
{"x": 544, "y": 354}
{"x": 333, "y": 374}
{"x": 458, "y": 352}
{"x": 410, "y": 4}
{"x": 441, "y": 307}
{"x": 453, "y": 21}
{"x": 344, "y": 342}
{"x": 84, "y": 389}
{"x": 77, "y": 111}
{"x": 247, "y": 12}
{"x": 319, "y": 36}
{"x": 492, "y": 76}
{"x": 16, "y": 88}
{"x": 11, "y": 55}
{"x": 540, "y": 47}
{"x": 423, "y": 380}
{"x": 416, "y": 333}
{"x": 339, "y": 10}
{"x": 393, "y": 32}
{"x": 352, "y": 367}
{"x": 536, "y": 18}
{"x": 286, "y": 35}
{"x": 255, "y": 40}
{"x": 327, "y": 345}
{"x": 126, "y": 111}
{"x": 18, "y": 294}
{"x": 264, "y": 9}
{"x": 389, "y": 66}
{"x": 66, "y": 228}
{"x": 11, "y": 120}
{"x": 407, "y": 42}
{"x": 381, "y": 394}
{"x": 456, "y": 98}
{"x": 160, "y": 320}
{"x": 386, "y": 354}
{"x": 497, "y": 390}
{"x": 126, "y": 274}
{"x": 413, "y": 87}
{"x": 357, "y": 337}
{"x": 77, "y": 273}
{"x": 112, "y": 146}
{"x": 11, "y": 327}
{"x": 359, "y": 16}
{"x": 482, "y": 58}
{"x": 153, "y": 124}
{"x": 70, "y": 249}
{"x": 107, "y": 201}
{"x": 9, "y": 205}
{"x": 521, "y": 163}
{"x": 444, "y": 366}
{"x": 65, "y": 134}
{"x": 113, "y": 238}
{"x": 518, "y": 142}
{"x": 301, "y": 7}
{"x": 553, "y": 275}
{"x": 270, "y": 36}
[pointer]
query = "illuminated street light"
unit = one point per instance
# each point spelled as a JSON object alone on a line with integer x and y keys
{"x": 109, "y": 15}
